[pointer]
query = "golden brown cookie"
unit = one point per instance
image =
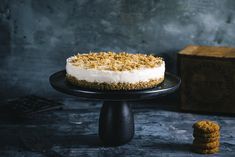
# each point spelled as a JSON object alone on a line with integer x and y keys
{"x": 206, "y": 126}
{"x": 209, "y": 145}
{"x": 215, "y": 134}
{"x": 206, "y": 151}
{"x": 205, "y": 140}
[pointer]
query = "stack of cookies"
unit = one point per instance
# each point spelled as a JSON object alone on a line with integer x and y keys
{"x": 206, "y": 137}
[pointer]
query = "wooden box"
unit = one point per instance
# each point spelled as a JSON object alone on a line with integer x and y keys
{"x": 208, "y": 79}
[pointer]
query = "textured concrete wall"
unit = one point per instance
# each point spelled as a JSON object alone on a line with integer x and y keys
{"x": 37, "y": 36}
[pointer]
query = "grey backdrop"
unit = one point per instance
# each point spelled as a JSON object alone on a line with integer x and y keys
{"x": 36, "y": 36}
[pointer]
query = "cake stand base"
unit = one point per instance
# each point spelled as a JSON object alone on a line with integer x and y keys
{"x": 116, "y": 123}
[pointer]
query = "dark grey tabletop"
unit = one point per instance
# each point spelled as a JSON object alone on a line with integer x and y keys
{"x": 160, "y": 130}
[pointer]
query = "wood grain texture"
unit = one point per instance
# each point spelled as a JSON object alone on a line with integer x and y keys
{"x": 208, "y": 80}
{"x": 209, "y": 51}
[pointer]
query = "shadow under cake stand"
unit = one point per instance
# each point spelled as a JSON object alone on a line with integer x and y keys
{"x": 116, "y": 121}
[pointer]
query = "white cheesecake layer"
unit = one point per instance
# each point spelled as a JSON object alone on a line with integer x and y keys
{"x": 134, "y": 76}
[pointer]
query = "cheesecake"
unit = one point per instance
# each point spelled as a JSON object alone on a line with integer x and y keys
{"x": 115, "y": 71}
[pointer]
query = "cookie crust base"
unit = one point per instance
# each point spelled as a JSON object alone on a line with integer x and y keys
{"x": 113, "y": 86}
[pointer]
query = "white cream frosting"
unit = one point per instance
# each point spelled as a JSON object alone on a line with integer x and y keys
{"x": 134, "y": 76}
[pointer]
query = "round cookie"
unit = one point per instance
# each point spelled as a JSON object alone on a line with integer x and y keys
{"x": 215, "y": 134}
{"x": 206, "y": 126}
{"x": 206, "y": 151}
{"x": 205, "y": 140}
{"x": 209, "y": 145}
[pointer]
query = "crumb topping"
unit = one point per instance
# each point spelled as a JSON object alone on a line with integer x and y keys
{"x": 121, "y": 61}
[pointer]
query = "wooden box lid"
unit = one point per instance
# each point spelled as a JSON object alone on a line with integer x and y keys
{"x": 209, "y": 51}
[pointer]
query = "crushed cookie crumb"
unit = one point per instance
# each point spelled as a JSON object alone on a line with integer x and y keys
{"x": 121, "y": 61}
{"x": 114, "y": 86}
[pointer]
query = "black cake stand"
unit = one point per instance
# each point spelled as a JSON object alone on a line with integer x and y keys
{"x": 116, "y": 122}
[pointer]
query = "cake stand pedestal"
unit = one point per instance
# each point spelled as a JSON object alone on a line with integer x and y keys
{"x": 116, "y": 122}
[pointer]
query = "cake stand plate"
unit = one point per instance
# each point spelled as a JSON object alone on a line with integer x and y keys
{"x": 116, "y": 122}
